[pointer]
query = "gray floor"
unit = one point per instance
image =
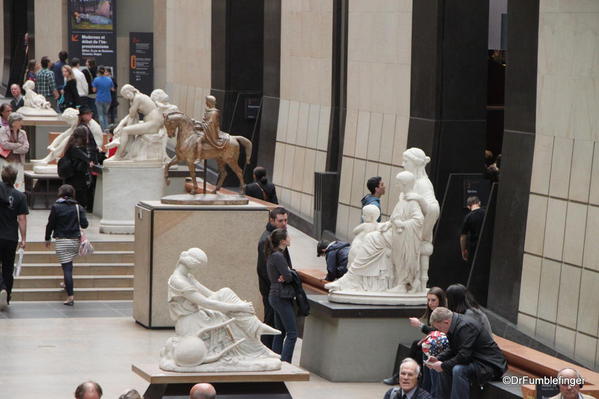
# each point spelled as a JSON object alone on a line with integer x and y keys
{"x": 54, "y": 310}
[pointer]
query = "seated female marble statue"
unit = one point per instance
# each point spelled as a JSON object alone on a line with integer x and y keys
{"x": 215, "y": 330}
{"x": 370, "y": 215}
{"x": 56, "y": 148}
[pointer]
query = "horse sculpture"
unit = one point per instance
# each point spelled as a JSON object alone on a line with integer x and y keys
{"x": 191, "y": 148}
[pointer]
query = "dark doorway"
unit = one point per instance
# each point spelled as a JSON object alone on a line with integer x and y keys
{"x": 19, "y": 45}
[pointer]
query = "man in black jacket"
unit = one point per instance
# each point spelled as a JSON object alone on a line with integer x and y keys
{"x": 277, "y": 219}
{"x": 408, "y": 382}
{"x": 472, "y": 354}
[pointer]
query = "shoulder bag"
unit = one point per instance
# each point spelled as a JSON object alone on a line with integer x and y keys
{"x": 85, "y": 247}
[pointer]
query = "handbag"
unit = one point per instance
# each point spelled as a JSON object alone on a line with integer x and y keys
{"x": 85, "y": 247}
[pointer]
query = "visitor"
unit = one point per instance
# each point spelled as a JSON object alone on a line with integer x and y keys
{"x": 90, "y": 72}
{"x": 30, "y": 73}
{"x": 281, "y": 294}
{"x": 82, "y": 86}
{"x": 14, "y": 144}
{"x": 472, "y": 356}
{"x": 261, "y": 188}
{"x": 434, "y": 298}
{"x": 88, "y": 390}
{"x": 336, "y": 254}
{"x": 408, "y": 382}
{"x": 460, "y": 300}
{"x": 114, "y": 103}
{"x": 376, "y": 186}
{"x": 102, "y": 86}
{"x": 202, "y": 391}
{"x": 573, "y": 382}
{"x": 470, "y": 233}
{"x": 130, "y": 394}
{"x": 94, "y": 136}
{"x": 277, "y": 219}
{"x": 65, "y": 222}
{"x": 57, "y": 70}
{"x": 17, "y": 97}
{"x": 44, "y": 83}
{"x": 5, "y": 111}
{"x": 74, "y": 165}
{"x": 13, "y": 221}
{"x": 70, "y": 94}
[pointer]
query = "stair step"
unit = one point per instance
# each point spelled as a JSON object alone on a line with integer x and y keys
{"x": 98, "y": 246}
{"x": 81, "y": 294}
{"x": 53, "y": 269}
{"x": 81, "y": 281}
{"x": 97, "y": 256}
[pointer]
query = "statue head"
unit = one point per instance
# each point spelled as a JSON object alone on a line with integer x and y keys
{"x": 193, "y": 259}
{"x": 210, "y": 101}
{"x": 160, "y": 96}
{"x": 406, "y": 181}
{"x": 128, "y": 91}
{"x": 415, "y": 160}
{"x": 370, "y": 213}
{"x": 70, "y": 116}
{"x": 29, "y": 85}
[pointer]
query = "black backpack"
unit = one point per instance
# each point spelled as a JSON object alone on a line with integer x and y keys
{"x": 65, "y": 168}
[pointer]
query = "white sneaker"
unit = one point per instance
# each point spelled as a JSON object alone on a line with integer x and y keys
{"x": 3, "y": 300}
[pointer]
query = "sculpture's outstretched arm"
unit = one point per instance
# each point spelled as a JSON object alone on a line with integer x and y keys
{"x": 202, "y": 301}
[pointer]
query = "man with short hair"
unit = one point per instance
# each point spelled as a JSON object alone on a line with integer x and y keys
{"x": 44, "y": 82}
{"x": 17, "y": 97}
{"x": 409, "y": 370}
{"x": 473, "y": 223}
{"x": 202, "y": 391}
{"x": 82, "y": 87}
{"x": 336, "y": 254}
{"x": 88, "y": 390}
{"x": 277, "y": 219}
{"x": 94, "y": 141}
{"x": 102, "y": 86}
{"x": 57, "y": 70}
{"x": 573, "y": 381}
{"x": 13, "y": 220}
{"x": 472, "y": 354}
{"x": 376, "y": 186}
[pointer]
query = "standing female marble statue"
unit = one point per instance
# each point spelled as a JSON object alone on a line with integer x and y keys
{"x": 149, "y": 144}
{"x": 415, "y": 161}
{"x": 215, "y": 330}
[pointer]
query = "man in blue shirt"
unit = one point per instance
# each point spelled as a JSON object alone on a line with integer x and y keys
{"x": 102, "y": 86}
{"x": 376, "y": 186}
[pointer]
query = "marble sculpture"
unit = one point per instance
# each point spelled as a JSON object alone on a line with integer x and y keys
{"x": 35, "y": 104}
{"x": 388, "y": 262}
{"x": 215, "y": 331}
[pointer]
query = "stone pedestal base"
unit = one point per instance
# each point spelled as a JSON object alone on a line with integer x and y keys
{"x": 48, "y": 169}
{"x": 355, "y": 343}
{"x": 377, "y": 298}
{"x": 124, "y": 184}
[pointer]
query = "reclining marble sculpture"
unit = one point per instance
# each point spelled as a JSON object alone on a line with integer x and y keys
{"x": 139, "y": 140}
{"x": 386, "y": 259}
{"x": 35, "y": 104}
{"x": 215, "y": 331}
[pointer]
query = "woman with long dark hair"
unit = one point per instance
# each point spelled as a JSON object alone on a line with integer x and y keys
{"x": 281, "y": 294}
{"x": 460, "y": 300}
{"x": 434, "y": 298}
{"x": 261, "y": 188}
{"x": 78, "y": 163}
{"x": 65, "y": 222}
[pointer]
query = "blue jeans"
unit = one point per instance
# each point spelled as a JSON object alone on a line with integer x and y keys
{"x": 431, "y": 382}
{"x": 284, "y": 321}
{"x": 457, "y": 384}
{"x": 103, "y": 114}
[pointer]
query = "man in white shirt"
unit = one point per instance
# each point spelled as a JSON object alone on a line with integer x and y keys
{"x": 82, "y": 86}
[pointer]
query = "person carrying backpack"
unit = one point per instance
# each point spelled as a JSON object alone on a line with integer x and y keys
{"x": 336, "y": 254}
{"x": 74, "y": 166}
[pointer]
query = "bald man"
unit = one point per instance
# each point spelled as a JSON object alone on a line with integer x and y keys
{"x": 88, "y": 390}
{"x": 202, "y": 391}
{"x": 572, "y": 384}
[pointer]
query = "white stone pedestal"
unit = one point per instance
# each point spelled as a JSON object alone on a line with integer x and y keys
{"x": 124, "y": 184}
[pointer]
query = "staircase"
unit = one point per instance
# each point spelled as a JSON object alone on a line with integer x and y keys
{"x": 105, "y": 275}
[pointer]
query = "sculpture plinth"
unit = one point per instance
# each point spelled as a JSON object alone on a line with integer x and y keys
{"x": 377, "y": 298}
{"x": 205, "y": 199}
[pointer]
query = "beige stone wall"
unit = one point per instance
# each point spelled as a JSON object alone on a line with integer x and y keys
{"x": 378, "y": 103}
{"x": 50, "y": 28}
{"x": 304, "y": 110}
{"x": 560, "y": 272}
{"x": 187, "y": 47}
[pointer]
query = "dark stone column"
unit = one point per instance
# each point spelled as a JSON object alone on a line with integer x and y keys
{"x": 449, "y": 85}
{"x": 517, "y": 156}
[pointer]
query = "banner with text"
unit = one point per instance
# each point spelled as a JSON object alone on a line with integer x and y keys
{"x": 141, "y": 61}
{"x": 92, "y": 31}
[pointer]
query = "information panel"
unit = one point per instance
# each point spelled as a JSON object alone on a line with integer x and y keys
{"x": 141, "y": 61}
{"x": 92, "y": 31}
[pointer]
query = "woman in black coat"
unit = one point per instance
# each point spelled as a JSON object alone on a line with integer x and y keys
{"x": 261, "y": 188}
{"x": 78, "y": 162}
{"x": 70, "y": 94}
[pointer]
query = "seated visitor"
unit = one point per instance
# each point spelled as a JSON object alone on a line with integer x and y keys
{"x": 571, "y": 388}
{"x": 261, "y": 188}
{"x": 472, "y": 357}
{"x": 460, "y": 300}
{"x": 408, "y": 382}
{"x": 88, "y": 390}
{"x": 336, "y": 254}
{"x": 202, "y": 391}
